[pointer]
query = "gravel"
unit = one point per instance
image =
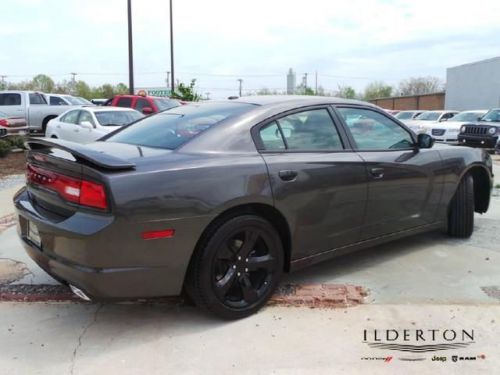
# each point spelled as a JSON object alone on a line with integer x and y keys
{"x": 11, "y": 181}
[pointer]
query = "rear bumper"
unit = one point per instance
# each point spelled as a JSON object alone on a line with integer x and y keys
{"x": 102, "y": 256}
{"x": 478, "y": 141}
{"x": 22, "y": 130}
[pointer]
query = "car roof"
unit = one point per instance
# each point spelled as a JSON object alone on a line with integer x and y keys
{"x": 109, "y": 108}
{"x": 264, "y": 100}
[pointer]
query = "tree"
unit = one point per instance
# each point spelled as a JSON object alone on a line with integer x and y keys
{"x": 420, "y": 85}
{"x": 83, "y": 89}
{"x": 346, "y": 92}
{"x": 121, "y": 89}
{"x": 185, "y": 92}
{"x": 43, "y": 82}
{"x": 377, "y": 89}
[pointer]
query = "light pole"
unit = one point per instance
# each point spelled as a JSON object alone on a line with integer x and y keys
{"x": 172, "y": 82}
{"x": 241, "y": 84}
{"x": 130, "y": 50}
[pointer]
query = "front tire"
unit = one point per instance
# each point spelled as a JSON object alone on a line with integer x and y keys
{"x": 236, "y": 268}
{"x": 461, "y": 209}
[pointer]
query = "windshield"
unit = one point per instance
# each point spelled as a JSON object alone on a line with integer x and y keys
{"x": 83, "y": 101}
{"x": 164, "y": 104}
{"x": 492, "y": 116}
{"x": 72, "y": 100}
{"x": 405, "y": 115}
{"x": 173, "y": 128}
{"x": 467, "y": 116}
{"x": 117, "y": 118}
{"x": 428, "y": 116}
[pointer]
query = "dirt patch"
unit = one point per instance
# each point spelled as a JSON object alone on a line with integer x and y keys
{"x": 13, "y": 163}
{"x": 313, "y": 295}
{"x": 11, "y": 271}
{"x": 7, "y": 222}
{"x": 319, "y": 295}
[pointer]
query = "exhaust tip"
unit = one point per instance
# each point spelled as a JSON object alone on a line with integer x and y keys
{"x": 79, "y": 293}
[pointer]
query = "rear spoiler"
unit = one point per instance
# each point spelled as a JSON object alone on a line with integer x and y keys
{"x": 81, "y": 152}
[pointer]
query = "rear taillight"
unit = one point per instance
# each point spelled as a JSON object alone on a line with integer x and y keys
{"x": 82, "y": 192}
{"x": 4, "y": 122}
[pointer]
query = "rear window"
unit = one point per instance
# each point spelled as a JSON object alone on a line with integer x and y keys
{"x": 10, "y": 99}
{"x": 164, "y": 104}
{"x": 124, "y": 102}
{"x": 172, "y": 128}
{"x": 117, "y": 118}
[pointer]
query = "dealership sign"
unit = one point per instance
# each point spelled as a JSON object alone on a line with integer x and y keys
{"x": 154, "y": 91}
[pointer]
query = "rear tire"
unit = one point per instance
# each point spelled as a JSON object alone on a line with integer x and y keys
{"x": 236, "y": 268}
{"x": 461, "y": 209}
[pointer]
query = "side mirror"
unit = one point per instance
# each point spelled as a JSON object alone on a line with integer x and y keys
{"x": 87, "y": 125}
{"x": 425, "y": 141}
{"x": 147, "y": 110}
{"x": 479, "y": 118}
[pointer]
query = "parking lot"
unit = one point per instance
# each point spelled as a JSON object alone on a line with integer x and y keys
{"x": 426, "y": 281}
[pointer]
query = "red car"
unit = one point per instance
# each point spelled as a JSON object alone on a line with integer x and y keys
{"x": 143, "y": 103}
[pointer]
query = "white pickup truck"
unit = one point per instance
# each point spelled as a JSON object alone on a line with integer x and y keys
{"x": 32, "y": 106}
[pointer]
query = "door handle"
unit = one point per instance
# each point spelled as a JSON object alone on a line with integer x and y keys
{"x": 377, "y": 172}
{"x": 288, "y": 175}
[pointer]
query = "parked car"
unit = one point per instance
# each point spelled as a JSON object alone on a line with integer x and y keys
{"x": 393, "y": 112}
{"x": 12, "y": 125}
{"x": 267, "y": 185}
{"x": 144, "y": 104}
{"x": 425, "y": 120}
{"x": 407, "y": 115}
{"x": 100, "y": 101}
{"x": 63, "y": 99}
{"x": 484, "y": 133}
{"x": 84, "y": 101}
{"x": 448, "y": 131}
{"x": 30, "y": 105}
{"x": 90, "y": 123}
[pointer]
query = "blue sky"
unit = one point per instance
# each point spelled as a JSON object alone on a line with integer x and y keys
{"x": 218, "y": 41}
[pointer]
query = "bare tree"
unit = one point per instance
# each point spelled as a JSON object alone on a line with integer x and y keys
{"x": 420, "y": 85}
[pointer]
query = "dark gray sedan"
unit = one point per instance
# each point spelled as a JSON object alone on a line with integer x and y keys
{"x": 220, "y": 198}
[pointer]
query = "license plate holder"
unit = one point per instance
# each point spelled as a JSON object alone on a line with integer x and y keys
{"x": 33, "y": 235}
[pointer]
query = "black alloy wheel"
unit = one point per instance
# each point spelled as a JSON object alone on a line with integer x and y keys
{"x": 238, "y": 269}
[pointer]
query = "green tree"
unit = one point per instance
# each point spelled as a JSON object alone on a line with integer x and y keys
{"x": 83, "y": 89}
{"x": 346, "y": 92}
{"x": 186, "y": 92}
{"x": 121, "y": 89}
{"x": 43, "y": 82}
{"x": 377, "y": 89}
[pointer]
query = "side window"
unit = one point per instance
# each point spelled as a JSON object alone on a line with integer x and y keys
{"x": 141, "y": 103}
{"x": 312, "y": 130}
{"x": 10, "y": 99}
{"x": 37, "y": 99}
{"x": 55, "y": 100}
{"x": 85, "y": 116}
{"x": 374, "y": 131}
{"x": 70, "y": 117}
{"x": 271, "y": 137}
{"x": 124, "y": 102}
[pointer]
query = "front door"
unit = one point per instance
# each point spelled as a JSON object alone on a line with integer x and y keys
{"x": 404, "y": 190}
{"x": 318, "y": 183}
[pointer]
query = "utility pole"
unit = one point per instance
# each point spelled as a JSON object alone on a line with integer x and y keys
{"x": 73, "y": 83}
{"x": 305, "y": 83}
{"x": 241, "y": 84}
{"x": 168, "y": 79}
{"x": 130, "y": 50}
{"x": 316, "y": 83}
{"x": 172, "y": 49}
{"x": 208, "y": 95}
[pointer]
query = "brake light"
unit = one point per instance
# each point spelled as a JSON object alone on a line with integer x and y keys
{"x": 4, "y": 122}
{"x": 82, "y": 192}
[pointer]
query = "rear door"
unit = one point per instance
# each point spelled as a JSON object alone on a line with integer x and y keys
{"x": 66, "y": 125}
{"x": 404, "y": 188}
{"x": 317, "y": 181}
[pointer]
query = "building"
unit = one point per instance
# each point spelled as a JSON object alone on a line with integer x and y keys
{"x": 290, "y": 82}
{"x": 473, "y": 86}
{"x": 427, "y": 102}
